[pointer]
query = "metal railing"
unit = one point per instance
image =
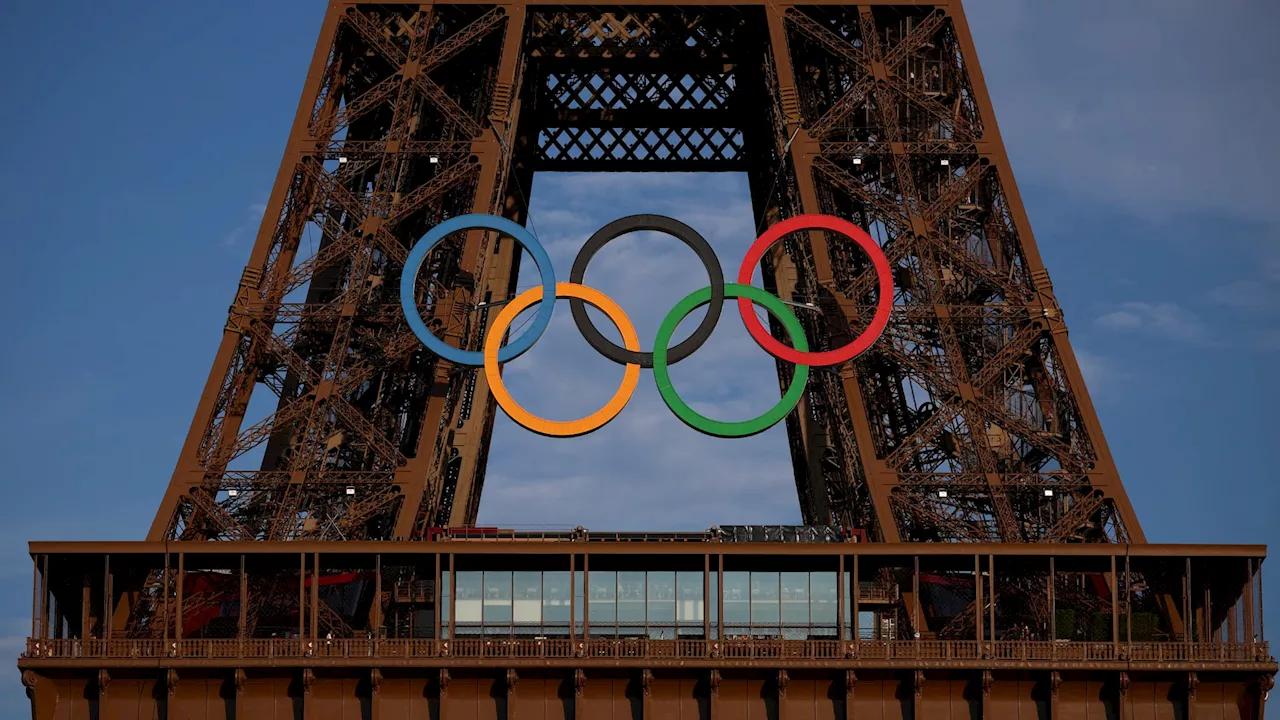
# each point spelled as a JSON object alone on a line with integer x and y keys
{"x": 648, "y": 649}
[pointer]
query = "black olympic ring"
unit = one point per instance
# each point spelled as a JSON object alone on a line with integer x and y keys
{"x": 679, "y": 231}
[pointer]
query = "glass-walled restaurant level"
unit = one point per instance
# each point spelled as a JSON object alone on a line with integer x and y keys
{"x": 656, "y": 604}
{"x": 656, "y": 590}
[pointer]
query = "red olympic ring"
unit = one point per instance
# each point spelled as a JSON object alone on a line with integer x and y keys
{"x": 884, "y": 304}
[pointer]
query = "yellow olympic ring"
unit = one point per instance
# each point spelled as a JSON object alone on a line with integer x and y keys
{"x": 566, "y": 428}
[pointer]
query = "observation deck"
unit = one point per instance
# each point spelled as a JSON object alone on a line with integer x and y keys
{"x": 679, "y": 620}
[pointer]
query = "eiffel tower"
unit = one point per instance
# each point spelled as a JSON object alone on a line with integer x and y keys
{"x": 967, "y": 549}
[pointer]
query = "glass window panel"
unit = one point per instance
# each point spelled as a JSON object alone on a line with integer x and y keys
{"x": 737, "y": 602}
{"x": 713, "y": 607}
{"x": 445, "y": 599}
{"x": 689, "y": 605}
{"x": 497, "y": 597}
{"x": 823, "y": 602}
{"x": 662, "y": 598}
{"x": 604, "y": 611}
{"x": 579, "y": 600}
{"x": 795, "y": 598}
{"x": 469, "y": 603}
{"x": 631, "y": 597}
{"x": 526, "y": 591}
{"x": 555, "y": 597}
{"x": 866, "y": 625}
{"x": 764, "y": 599}
{"x": 848, "y": 607}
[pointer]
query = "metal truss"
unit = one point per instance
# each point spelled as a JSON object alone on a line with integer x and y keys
{"x": 968, "y": 421}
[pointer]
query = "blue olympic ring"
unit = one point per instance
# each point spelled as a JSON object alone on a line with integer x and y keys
{"x": 408, "y": 282}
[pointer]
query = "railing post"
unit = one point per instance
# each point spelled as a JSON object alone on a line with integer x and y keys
{"x": 840, "y": 599}
{"x": 855, "y": 591}
{"x": 978, "y": 604}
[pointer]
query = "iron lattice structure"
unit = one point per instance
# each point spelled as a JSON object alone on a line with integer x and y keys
{"x": 1008, "y": 577}
{"x": 968, "y": 421}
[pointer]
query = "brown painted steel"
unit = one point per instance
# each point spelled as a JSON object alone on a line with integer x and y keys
{"x": 315, "y": 581}
{"x": 969, "y": 421}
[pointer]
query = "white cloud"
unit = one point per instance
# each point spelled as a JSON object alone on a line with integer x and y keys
{"x": 1164, "y": 319}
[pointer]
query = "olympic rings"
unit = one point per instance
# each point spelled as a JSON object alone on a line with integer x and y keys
{"x": 570, "y": 428}
{"x": 408, "y": 281}
{"x": 495, "y": 354}
{"x": 718, "y": 428}
{"x": 684, "y": 234}
{"x": 884, "y": 304}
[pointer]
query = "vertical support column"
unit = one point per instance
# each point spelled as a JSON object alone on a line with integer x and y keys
{"x": 645, "y": 590}
{"x": 435, "y": 593}
{"x": 1210, "y": 633}
{"x": 783, "y": 681}
{"x": 242, "y": 622}
{"x": 1262, "y": 613}
{"x": 579, "y": 690}
{"x": 510, "y": 681}
{"x": 106, "y": 597}
{"x": 418, "y": 488}
{"x": 302, "y": 598}
{"x": 646, "y": 693}
{"x": 880, "y": 479}
{"x": 850, "y": 686}
{"x": 713, "y": 682}
{"x": 378, "y": 621}
{"x": 1055, "y": 684}
{"x": 987, "y": 681}
{"x": 37, "y": 613}
{"x": 1249, "y": 635}
{"x": 375, "y": 693}
{"x": 1122, "y": 687}
{"x": 86, "y": 617}
{"x": 706, "y": 598}
{"x": 1193, "y": 682}
{"x": 840, "y": 599}
{"x": 164, "y": 601}
{"x": 182, "y": 580}
{"x": 978, "y": 604}
{"x": 573, "y": 599}
{"x": 453, "y": 598}
{"x": 1115, "y": 604}
{"x": 991, "y": 594}
{"x": 917, "y": 694}
{"x": 855, "y": 592}
{"x": 315, "y": 597}
{"x": 45, "y": 629}
{"x": 1128, "y": 608}
{"x": 472, "y": 435}
{"x": 915, "y": 607}
{"x": 1053, "y": 603}
{"x": 1187, "y": 615}
{"x": 586, "y": 599}
{"x": 720, "y": 597}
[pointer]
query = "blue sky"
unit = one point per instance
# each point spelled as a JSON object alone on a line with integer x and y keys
{"x": 145, "y": 136}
